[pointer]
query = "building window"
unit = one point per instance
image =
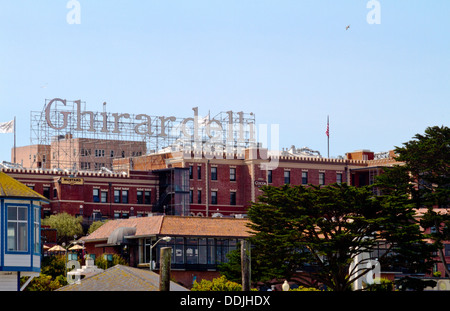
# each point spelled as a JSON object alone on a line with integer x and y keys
{"x": 111, "y": 153}
{"x": 287, "y": 177}
{"x": 232, "y": 174}
{"x": 139, "y": 197}
{"x": 147, "y": 197}
{"x": 447, "y": 249}
{"x": 37, "y": 231}
{"x": 85, "y": 152}
{"x": 191, "y": 196}
{"x": 179, "y": 250}
{"x": 17, "y": 236}
{"x": 213, "y": 197}
{"x": 199, "y": 172}
{"x": 269, "y": 176}
{"x": 199, "y": 196}
{"x": 99, "y": 152}
{"x": 124, "y": 196}
{"x": 213, "y": 173}
{"x": 339, "y": 178}
{"x": 96, "y": 195}
{"x": 191, "y": 173}
{"x": 304, "y": 178}
{"x": 232, "y": 198}
{"x": 104, "y": 196}
{"x": 321, "y": 178}
{"x": 116, "y": 196}
{"x": 46, "y": 192}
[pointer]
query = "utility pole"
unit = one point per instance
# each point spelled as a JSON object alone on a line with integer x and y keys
{"x": 164, "y": 270}
{"x": 245, "y": 265}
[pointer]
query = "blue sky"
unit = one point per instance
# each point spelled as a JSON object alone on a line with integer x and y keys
{"x": 291, "y": 63}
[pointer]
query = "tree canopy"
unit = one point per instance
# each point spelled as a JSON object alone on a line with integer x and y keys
{"x": 66, "y": 225}
{"x": 320, "y": 230}
{"x": 422, "y": 174}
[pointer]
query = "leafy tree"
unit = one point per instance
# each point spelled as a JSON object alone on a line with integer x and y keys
{"x": 44, "y": 283}
{"x": 322, "y": 229}
{"x": 66, "y": 225}
{"x": 423, "y": 176}
{"x": 52, "y": 275}
{"x": 54, "y": 266}
{"x": 95, "y": 225}
{"x": 102, "y": 263}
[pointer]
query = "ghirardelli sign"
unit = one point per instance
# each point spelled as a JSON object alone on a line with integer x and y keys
{"x": 229, "y": 134}
{"x": 143, "y": 124}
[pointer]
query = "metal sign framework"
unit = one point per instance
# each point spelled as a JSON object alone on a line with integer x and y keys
{"x": 69, "y": 129}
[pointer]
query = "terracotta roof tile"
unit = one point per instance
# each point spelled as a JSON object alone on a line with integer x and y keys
{"x": 144, "y": 226}
{"x": 204, "y": 226}
{"x": 175, "y": 225}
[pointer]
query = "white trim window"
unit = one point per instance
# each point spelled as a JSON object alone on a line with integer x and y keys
{"x": 17, "y": 236}
{"x": 37, "y": 230}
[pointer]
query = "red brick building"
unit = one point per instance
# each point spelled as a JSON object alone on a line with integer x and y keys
{"x": 188, "y": 184}
{"x": 228, "y": 183}
{"x": 92, "y": 195}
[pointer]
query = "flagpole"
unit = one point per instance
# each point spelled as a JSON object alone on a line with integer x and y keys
{"x": 328, "y": 136}
{"x": 14, "y": 139}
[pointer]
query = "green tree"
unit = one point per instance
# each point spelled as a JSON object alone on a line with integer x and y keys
{"x": 44, "y": 283}
{"x": 95, "y": 225}
{"x": 66, "y": 225}
{"x": 321, "y": 230}
{"x": 103, "y": 263}
{"x": 423, "y": 176}
{"x": 52, "y": 274}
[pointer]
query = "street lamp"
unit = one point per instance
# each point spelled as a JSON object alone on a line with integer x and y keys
{"x": 165, "y": 239}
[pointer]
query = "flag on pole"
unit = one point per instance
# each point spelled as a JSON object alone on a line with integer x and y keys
{"x": 328, "y": 127}
{"x": 7, "y": 127}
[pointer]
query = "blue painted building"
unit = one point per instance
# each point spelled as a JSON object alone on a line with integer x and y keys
{"x": 20, "y": 232}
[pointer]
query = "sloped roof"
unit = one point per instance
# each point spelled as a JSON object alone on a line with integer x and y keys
{"x": 9, "y": 187}
{"x": 175, "y": 226}
{"x": 205, "y": 226}
{"x": 121, "y": 278}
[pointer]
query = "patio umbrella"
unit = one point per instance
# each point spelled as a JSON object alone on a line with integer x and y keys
{"x": 76, "y": 247}
{"x": 57, "y": 248}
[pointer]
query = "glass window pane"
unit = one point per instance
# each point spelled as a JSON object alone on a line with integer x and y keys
{"x": 12, "y": 213}
{"x": 22, "y": 213}
{"x": 11, "y": 236}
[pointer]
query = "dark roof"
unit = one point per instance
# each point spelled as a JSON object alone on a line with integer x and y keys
{"x": 121, "y": 278}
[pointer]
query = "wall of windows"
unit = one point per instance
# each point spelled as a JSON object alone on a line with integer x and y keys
{"x": 203, "y": 253}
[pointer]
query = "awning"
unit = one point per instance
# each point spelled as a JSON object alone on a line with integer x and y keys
{"x": 119, "y": 235}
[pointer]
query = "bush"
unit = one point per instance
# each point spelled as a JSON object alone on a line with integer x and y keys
{"x": 102, "y": 263}
{"x": 217, "y": 284}
{"x": 384, "y": 285}
{"x": 305, "y": 289}
{"x": 45, "y": 283}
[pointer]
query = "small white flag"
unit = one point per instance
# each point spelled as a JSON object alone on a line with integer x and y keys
{"x": 7, "y": 127}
